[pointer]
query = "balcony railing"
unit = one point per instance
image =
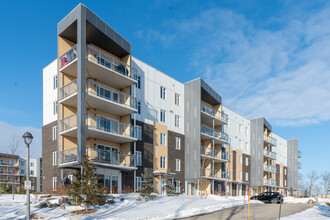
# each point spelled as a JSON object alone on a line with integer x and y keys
{"x": 270, "y": 139}
{"x": 214, "y": 153}
{"x": 299, "y": 165}
{"x": 68, "y": 57}
{"x": 10, "y": 181}
{"x": 270, "y": 182}
{"x": 215, "y": 113}
{"x": 69, "y": 122}
{"x": 214, "y": 133}
{"x": 68, "y": 89}
{"x": 215, "y": 173}
{"x": 110, "y": 94}
{"x": 99, "y": 57}
{"x": 9, "y": 173}
{"x": 69, "y": 155}
{"x": 270, "y": 168}
{"x": 270, "y": 154}
{"x": 8, "y": 164}
{"x": 110, "y": 157}
{"x": 299, "y": 154}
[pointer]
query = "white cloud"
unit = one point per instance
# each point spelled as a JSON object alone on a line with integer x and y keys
{"x": 282, "y": 74}
{"x": 8, "y": 131}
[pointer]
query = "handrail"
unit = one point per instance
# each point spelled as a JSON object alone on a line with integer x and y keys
{"x": 69, "y": 122}
{"x": 69, "y": 155}
{"x": 215, "y": 113}
{"x": 207, "y": 172}
{"x": 270, "y": 139}
{"x": 270, "y": 154}
{"x": 68, "y": 56}
{"x": 109, "y": 157}
{"x": 68, "y": 89}
{"x": 214, "y": 133}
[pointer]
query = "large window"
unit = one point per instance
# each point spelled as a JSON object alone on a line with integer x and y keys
{"x": 138, "y": 183}
{"x": 240, "y": 128}
{"x": 163, "y": 139}
{"x": 138, "y": 79}
{"x": 54, "y": 183}
{"x": 163, "y": 116}
{"x": 246, "y": 161}
{"x": 55, "y": 107}
{"x": 177, "y": 164}
{"x": 162, "y": 162}
{"x": 55, "y": 82}
{"x": 138, "y": 158}
{"x": 138, "y": 107}
{"x": 162, "y": 92}
{"x": 177, "y": 121}
{"x": 177, "y": 99}
{"x": 54, "y": 158}
{"x": 246, "y": 176}
{"x": 177, "y": 143}
{"x": 240, "y": 159}
{"x": 177, "y": 186}
{"x": 54, "y": 132}
{"x": 138, "y": 132}
{"x": 240, "y": 175}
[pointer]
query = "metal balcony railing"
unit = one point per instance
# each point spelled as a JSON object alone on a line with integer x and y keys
{"x": 270, "y": 168}
{"x": 69, "y": 122}
{"x": 8, "y": 164}
{"x": 68, "y": 57}
{"x": 270, "y": 139}
{"x": 68, "y": 89}
{"x": 69, "y": 155}
{"x": 299, "y": 154}
{"x": 270, "y": 182}
{"x": 215, "y": 113}
{"x": 214, "y": 173}
{"x": 270, "y": 154}
{"x": 214, "y": 133}
{"x": 299, "y": 165}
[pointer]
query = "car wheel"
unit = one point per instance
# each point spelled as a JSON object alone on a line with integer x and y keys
{"x": 274, "y": 201}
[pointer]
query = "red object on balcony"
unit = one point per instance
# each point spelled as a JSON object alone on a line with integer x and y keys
{"x": 64, "y": 61}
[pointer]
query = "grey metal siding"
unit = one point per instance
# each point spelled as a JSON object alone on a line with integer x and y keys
{"x": 292, "y": 164}
{"x": 257, "y": 131}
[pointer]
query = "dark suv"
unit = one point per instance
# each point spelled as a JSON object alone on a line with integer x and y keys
{"x": 273, "y": 197}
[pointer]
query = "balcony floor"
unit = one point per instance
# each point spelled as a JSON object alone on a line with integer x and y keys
{"x": 216, "y": 140}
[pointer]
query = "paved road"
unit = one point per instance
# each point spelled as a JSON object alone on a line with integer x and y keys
{"x": 258, "y": 212}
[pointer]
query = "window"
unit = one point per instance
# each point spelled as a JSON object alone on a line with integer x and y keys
{"x": 280, "y": 182}
{"x": 284, "y": 171}
{"x": 22, "y": 171}
{"x": 240, "y": 128}
{"x": 177, "y": 99}
{"x": 163, "y": 139}
{"x": 246, "y": 176}
{"x": 138, "y": 132}
{"x": 54, "y": 158}
{"x": 70, "y": 177}
{"x": 138, "y": 107}
{"x": 240, "y": 144}
{"x": 54, "y": 183}
{"x": 163, "y": 162}
{"x": 55, "y": 107}
{"x": 138, "y": 158}
{"x": 240, "y": 159}
{"x": 32, "y": 164}
{"x": 55, "y": 82}
{"x": 246, "y": 161}
{"x": 138, "y": 79}
{"x": 163, "y": 116}
{"x": 177, "y": 143}
{"x": 54, "y": 132}
{"x": 177, "y": 164}
{"x": 284, "y": 182}
{"x": 246, "y": 145}
{"x": 138, "y": 183}
{"x": 240, "y": 175}
{"x": 177, "y": 121}
{"x": 31, "y": 172}
{"x": 162, "y": 92}
{"x": 246, "y": 131}
{"x": 177, "y": 186}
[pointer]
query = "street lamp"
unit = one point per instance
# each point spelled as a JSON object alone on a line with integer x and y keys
{"x": 27, "y": 136}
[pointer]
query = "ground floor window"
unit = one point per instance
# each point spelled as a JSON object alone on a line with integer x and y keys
{"x": 177, "y": 186}
{"x": 54, "y": 183}
{"x": 110, "y": 182}
{"x": 138, "y": 183}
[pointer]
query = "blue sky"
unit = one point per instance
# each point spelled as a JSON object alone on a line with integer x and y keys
{"x": 266, "y": 58}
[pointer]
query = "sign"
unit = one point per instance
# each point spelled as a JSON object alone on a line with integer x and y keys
{"x": 27, "y": 185}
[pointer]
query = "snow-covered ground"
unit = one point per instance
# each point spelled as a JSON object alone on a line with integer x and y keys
{"x": 290, "y": 199}
{"x": 161, "y": 207}
{"x": 319, "y": 212}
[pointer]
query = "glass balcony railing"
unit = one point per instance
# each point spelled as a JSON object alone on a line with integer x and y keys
{"x": 270, "y": 154}
{"x": 215, "y": 173}
{"x": 2, "y": 163}
{"x": 214, "y": 153}
{"x": 299, "y": 154}
{"x": 69, "y": 155}
{"x": 270, "y": 139}
{"x": 299, "y": 165}
{"x": 68, "y": 89}
{"x": 270, "y": 182}
{"x": 270, "y": 168}
{"x": 214, "y": 133}
{"x": 68, "y": 57}
{"x": 211, "y": 111}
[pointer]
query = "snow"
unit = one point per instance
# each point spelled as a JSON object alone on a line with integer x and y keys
{"x": 319, "y": 212}
{"x": 161, "y": 207}
{"x": 290, "y": 199}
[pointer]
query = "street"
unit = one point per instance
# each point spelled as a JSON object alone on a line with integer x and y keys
{"x": 258, "y": 212}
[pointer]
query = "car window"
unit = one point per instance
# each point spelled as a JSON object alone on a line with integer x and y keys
{"x": 261, "y": 194}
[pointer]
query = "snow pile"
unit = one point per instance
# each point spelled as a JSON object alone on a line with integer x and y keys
{"x": 319, "y": 212}
{"x": 290, "y": 199}
{"x": 126, "y": 206}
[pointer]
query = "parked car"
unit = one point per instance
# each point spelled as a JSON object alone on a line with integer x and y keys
{"x": 273, "y": 197}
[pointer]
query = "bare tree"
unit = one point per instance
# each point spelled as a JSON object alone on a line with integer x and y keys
{"x": 204, "y": 162}
{"x": 13, "y": 149}
{"x": 317, "y": 189}
{"x": 312, "y": 177}
{"x": 325, "y": 182}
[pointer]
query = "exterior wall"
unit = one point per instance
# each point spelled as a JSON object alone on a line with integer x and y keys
{"x": 9, "y": 170}
{"x": 246, "y": 168}
{"x": 281, "y": 150}
{"x": 293, "y": 164}
{"x": 35, "y": 172}
{"x": 49, "y": 93}
{"x": 257, "y": 143}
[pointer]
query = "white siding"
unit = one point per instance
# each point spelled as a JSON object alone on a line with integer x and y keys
{"x": 49, "y": 93}
{"x": 281, "y": 149}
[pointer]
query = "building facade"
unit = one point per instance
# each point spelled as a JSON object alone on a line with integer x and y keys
{"x": 130, "y": 118}
{"x": 9, "y": 171}
{"x": 35, "y": 172}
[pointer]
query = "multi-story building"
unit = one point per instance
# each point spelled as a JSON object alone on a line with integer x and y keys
{"x": 9, "y": 171}
{"x": 35, "y": 172}
{"x": 130, "y": 118}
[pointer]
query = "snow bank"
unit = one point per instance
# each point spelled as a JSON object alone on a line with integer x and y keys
{"x": 318, "y": 212}
{"x": 162, "y": 207}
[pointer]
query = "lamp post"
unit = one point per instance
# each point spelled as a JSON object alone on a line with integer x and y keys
{"x": 28, "y": 140}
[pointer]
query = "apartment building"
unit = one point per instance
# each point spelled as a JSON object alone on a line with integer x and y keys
{"x": 9, "y": 171}
{"x": 130, "y": 118}
{"x": 35, "y": 172}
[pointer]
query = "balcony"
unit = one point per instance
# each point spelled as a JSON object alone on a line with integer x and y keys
{"x": 102, "y": 158}
{"x": 100, "y": 127}
{"x": 299, "y": 176}
{"x": 214, "y": 154}
{"x": 299, "y": 165}
{"x": 9, "y": 182}
{"x": 270, "y": 168}
{"x": 100, "y": 66}
{"x": 269, "y": 182}
{"x": 218, "y": 136}
{"x": 100, "y": 97}
{"x": 214, "y": 174}
{"x": 270, "y": 154}
{"x": 9, "y": 173}
{"x": 299, "y": 154}
{"x": 4, "y": 164}
{"x": 210, "y": 114}
{"x": 270, "y": 140}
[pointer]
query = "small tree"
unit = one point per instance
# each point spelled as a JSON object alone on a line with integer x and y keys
{"x": 312, "y": 177}
{"x": 147, "y": 185}
{"x": 169, "y": 187}
{"x": 325, "y": 181}
{"x": 86, "y": 188}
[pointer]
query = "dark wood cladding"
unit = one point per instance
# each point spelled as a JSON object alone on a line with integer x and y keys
{"x": 176, "y": 154}
{"x": 234, "y": 165}
{"x": 278, "y": 174}
{"x": 246, "y": 169}
{"x": 285, "y": 176}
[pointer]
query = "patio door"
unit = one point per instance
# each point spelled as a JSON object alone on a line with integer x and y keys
{"x": 162, "y": 184}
